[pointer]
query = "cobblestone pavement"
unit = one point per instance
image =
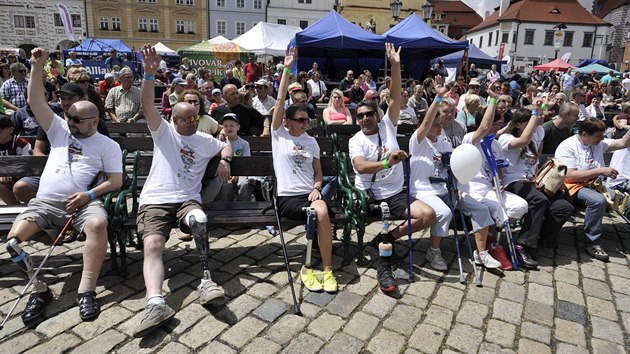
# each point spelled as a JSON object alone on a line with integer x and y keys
{"x": 573, "y": 304}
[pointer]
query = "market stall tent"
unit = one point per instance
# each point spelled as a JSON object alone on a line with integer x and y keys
{"x": 216, "y": 57}
{"x": 163, "y": 50}
{"x": 600, "y": 69}
{"x": 267, "y": 38}
{"x": 557, "y": 65}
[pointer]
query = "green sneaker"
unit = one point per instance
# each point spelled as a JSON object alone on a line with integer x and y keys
{"x": 330, "y": 283}
{"x": 310, "y": 279}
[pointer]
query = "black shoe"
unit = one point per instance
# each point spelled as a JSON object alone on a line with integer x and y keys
{"x": 88, "y": 307}
{"x": 34, "y": 312}
{"x": 524, "y": 258}
{"x": 597, "y": 252}
{"x": 386, "y": 280}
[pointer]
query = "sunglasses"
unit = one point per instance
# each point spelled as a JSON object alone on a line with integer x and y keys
{"x": 82, "y": 81}
{"x": 365, "y": 114}
{"x": 76, "y": 119}
{"x": 192, "y": 119}
{"x": 193, "y": 102}
{"x": 300, "y": 120}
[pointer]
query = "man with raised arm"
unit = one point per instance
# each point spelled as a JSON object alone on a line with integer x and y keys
{"x": 78, "y": 153}
{"x": 172, "y": 193}
{"x": 375, "y": 156}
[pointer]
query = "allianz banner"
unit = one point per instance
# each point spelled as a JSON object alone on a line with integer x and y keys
{"x": 97, "y": 68}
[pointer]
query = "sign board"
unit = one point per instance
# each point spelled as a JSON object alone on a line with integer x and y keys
{"x": 216, "y": 63}
{"x": 558, "y": 39}
{"x": 501, "y": 50}
{"x": 97, "y": 68}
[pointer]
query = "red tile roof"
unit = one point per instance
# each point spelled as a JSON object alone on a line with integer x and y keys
{"x": 456, "y": 13}
{"x": 569, "y": 12}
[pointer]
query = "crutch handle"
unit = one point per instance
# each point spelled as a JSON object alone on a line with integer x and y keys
{"x": 486, "y": 147}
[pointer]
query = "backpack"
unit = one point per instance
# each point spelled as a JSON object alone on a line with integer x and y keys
{"x": 550, "y": 177}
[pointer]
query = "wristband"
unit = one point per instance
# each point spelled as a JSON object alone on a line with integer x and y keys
{"x": 91, "y": 194}
{"x": 492, "y": 100}
{"x": 544, "y": 107}
{"x": 536, "y": 112}
{"x": 287, "y": 71}
{"x": 384, "y": 163}
{"x": 437, "y": 99}
{"x": 149, "y": 77}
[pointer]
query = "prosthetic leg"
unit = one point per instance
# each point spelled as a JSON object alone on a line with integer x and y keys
{"x": 34, "y": 311}
{"x": 311, "y": 219}
{"x": 385, "y": 275}
{"x": 407, "y": 168}
{"x": 209, "y": 291}
{"x": 486, "y": 146}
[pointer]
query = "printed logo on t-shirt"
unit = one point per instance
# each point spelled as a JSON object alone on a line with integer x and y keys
{"x": 187, "y": 154}
{"x": 75, "y": 151}
{"x": 531, "y": 161}
{"x": 238, "y": 151}
{"x": 299, "y": 156}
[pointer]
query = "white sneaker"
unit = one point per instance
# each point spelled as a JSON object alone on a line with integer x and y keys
{"x": 486, "y": 260}
{"x": 210, "y": 292}
{"x": 435, "y": 260}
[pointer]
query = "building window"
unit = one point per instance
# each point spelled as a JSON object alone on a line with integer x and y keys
{"x": 489, "y": 39}
{"x": 529, "y": 36}
{"x": 496, "y": 39}
{"x": 104, "y": 23}
{"x": 240, "y": 4}
{"x": 148, "y": 1}
{"x": 179, "y": 26}
{"x": 21, "y": 21}
{"x": 76, "y": 21}
{"x": 548, "y": 38}
{"x": 185, "y": 2}
{"x": 153, "y": 25}
{"x": 505, "y": 37}
{"x": 115, "y": 23}
{"x": 514, "y": 37}
{"x": 57, "y": 20}
{"x": 142, "y": 25}
{"x": 303, "y": 24}
{"x": 282, "y": 21}
{"x": 221, "y": 26}
{"x": 220, "y": 3}
{"x": 568, "y": 39}
{"x": 192, "y": 27}
{"x": 304, "y": 1}
{"x": 480, "y": 42}
{"x": 240, "y": 28}
{"x": 588, "y": 39}
{"x": 258, "y": 4}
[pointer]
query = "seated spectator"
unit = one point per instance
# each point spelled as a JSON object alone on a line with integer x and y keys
{"x": 622, "y": 120}
{"x": 10, "y": 145}
{"x": 453, "y": 130}
{"x": 107, "y": 84}
{"x": 369, "y": 80}
{"x": 161, "y": 76}
{"x": 578, "y": 99}
{"x": 238, "y": 188}
{"x": 595, "y": 109}
{"x": 81, "y": 77}
{"x": 217, "y": 100}
{"x": 356, "y": 94}
{"x": 245, "y": 98}
{"x": 473, "y": 89}
{"x": 123, "y": 102}
{"x": 318, "y": 89}
{"x": 263, "y": 102}
{"x": 583, "y": 154}
{"x": 417, "y": 102}
{"x": 177, "y": 87}
{"x": 452, "y": 92}
{"x": 346, "y": 83}
{"x": 13, "y": 90}
{"x": 620, "y": 161}
{"x": 206, "y": 123}
{"x": 230, "y": 79}
{"x": 407, "y": 114}
{"x": 466, "y": 116}
{"x": 191, "y": 80}
{"x": 337, "y": 112}
{"x": 560, "y": 128}
{"x": 251, "y": 121}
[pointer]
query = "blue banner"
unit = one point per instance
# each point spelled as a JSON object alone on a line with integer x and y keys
{"x": 97, "y": 68}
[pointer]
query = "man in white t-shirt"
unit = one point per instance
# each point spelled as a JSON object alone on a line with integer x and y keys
{"x": 493, "y": 75}
{"x": 263, "y": 102}
{"x": 583, "y": 154}
{"x": 374, "y": 151}
{"x": 78, "y": 154}
{"x": 172, "y": 193}
{"x": 625, "y": 84}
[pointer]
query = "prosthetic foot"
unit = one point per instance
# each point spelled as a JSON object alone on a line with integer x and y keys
{"x": 209, "y": 291}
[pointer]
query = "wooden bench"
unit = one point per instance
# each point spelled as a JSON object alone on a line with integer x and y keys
{"x": 243, "y": 214}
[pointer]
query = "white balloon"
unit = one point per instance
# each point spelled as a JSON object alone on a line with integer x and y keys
{"x": 465, "y": 162}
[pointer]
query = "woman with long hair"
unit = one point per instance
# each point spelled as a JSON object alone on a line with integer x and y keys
{"x": 337, "y": 112}
{"x": 299, "y": 179}
{"x": 546, "y": 214}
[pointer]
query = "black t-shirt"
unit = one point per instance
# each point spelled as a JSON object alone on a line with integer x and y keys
{"x": 251, "y": 120}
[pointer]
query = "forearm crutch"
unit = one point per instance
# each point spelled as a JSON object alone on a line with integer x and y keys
{"x": 32, "y": 279}
{"x": 486, "y": 147}
{"x": 311, "y": 219}
{"x": 296, "y": 306}
{"x": 407, "y": 168}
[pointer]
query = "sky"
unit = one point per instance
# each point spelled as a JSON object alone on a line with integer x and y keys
{"x": 481, "y": 6}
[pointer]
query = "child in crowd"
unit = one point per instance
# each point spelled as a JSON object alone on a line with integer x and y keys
{"x": 239, "y": 186}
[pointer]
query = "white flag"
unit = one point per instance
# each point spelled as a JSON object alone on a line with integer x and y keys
{"x": 66, "y": 19}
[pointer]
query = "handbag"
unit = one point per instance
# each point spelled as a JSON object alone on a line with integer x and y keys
{"x": 550, "y": 177}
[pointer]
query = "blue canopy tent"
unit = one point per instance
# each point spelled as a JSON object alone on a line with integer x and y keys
{"x": 338, "y": 45}
{"x": 475, "y": 55}
{"x": 420, "y": 44}
{"x": 99, "y": 46}
{"x": 586, "y": 62}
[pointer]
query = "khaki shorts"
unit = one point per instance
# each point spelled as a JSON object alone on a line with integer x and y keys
{"x": 158, "y": 219}
{"x": 51, "y": 215}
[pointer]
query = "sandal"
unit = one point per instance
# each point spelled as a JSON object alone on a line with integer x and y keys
{"x": 88, "y": 307}
{"x": 34, "y": 311}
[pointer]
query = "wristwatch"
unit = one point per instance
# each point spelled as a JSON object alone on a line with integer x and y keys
{"x": 318, "y": 188}
{"x": 227, "y": 159}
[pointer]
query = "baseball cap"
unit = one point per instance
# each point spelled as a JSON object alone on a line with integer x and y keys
{"x": 215, "y": 91}
{"x": 71, "y": 89}
{"x": 179, "y": 81}
{"x": 231, "y": 116}
{"x": 261, "y": 82}
{"x": 109, "y": 75}
{"x": 295, "y": 87}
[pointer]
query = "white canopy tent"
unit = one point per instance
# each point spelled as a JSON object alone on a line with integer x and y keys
{"x": 218, "y": 40}
{"x": 163, "y": 50}
{"x": 267, "y": 38}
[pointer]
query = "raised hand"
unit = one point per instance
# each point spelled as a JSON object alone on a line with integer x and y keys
{"x": 393, "y": 55}
{"x": 150, "y": 59}
{"x": 440, "y": 90}
{"x": 39, "y": 57}
{"x": 490, "y": 90}
{"x": 289, "y": 58}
